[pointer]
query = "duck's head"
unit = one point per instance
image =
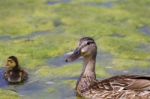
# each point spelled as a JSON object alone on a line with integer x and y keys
{"x": 86, "y": 48}
{"x": 12, "y": 63}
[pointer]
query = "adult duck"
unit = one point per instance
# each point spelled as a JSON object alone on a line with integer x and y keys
{"x": 117, "y": 87}
{"x": 14, "y": 74}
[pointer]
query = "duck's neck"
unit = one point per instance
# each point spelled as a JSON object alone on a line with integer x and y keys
{"x": 89, "y": 67}
{"x": 88, "y": 75}
{"x": 14, "y": 70}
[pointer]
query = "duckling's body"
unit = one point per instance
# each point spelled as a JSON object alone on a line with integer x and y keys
{"x": 13, "y": 73}
{"x": 16, "y": 76}
{"x": 118, "y": 87}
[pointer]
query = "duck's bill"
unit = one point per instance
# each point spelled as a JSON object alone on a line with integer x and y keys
{"x": 6, "y": 66}
{"x": 73, "y": 56}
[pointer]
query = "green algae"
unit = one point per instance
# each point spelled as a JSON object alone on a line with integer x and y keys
{"x": 6, "y": 94}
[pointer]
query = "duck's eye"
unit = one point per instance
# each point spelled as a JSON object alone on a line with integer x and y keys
{"x": 88, "y": 43}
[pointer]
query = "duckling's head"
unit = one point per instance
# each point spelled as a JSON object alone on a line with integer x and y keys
{"x": 12, "y": 63}
{"x": 86, "y": 48}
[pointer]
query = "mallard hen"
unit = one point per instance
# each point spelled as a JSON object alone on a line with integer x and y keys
{"x": 14, "y": 74}
{"x": 117, "y": 87}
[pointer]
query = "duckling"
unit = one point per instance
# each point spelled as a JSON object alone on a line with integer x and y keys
{"x": 14, "y": 74}
{"x": 117, "y": 87}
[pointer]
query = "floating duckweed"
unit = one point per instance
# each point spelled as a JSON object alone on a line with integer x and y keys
{"x": 6, "y": 94}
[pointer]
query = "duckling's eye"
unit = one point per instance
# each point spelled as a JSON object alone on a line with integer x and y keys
{"x": 10, "y": 61}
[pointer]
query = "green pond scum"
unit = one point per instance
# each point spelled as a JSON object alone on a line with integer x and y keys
{"x": 37, "y": 31}
{"x": 8, "y": 94}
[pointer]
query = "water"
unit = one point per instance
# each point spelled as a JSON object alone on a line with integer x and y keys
{"x": 118, "y": 35}
{"x": 50, "y": 3}
{"x": 5, "y": 38}
{"x": 101, "y": 5}
{"x": 60, "y": 61}
{"x": 104, "y": 59}
{"x": 57, "y": 61}
{"x": 29, "y": 37}
{"x": 143, "y": 48}
{"x": 46, "y": 89}
{"x": 145, "y": 30}
{"x": 3, "y": 82}
{"x": 41, "y": 88}
{"x": 132, "y": 71}
{"x": 37, "y": 88}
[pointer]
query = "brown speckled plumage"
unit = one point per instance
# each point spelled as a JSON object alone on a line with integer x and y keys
{"x": 117, "y": 87}
{"x": 14, "y": 74}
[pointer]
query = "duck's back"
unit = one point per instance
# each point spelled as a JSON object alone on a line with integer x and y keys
{"x": 119, "y": 87}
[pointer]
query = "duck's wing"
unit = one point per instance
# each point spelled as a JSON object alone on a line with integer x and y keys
{"x": 120, "y": 87}
{"x": 24, "y": 75}
{"x": 126, "y": 82}
{"x": 139, "y": 83}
